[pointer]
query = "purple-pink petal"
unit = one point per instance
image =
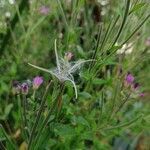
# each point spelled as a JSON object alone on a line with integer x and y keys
{"x": 136, "y": 86}
{"x": 24, "y": 88}
{"x": 44, "y": 10}
{"x": 37, "y": 81}
{"x": 141, "y": 94}
{"x": 129, "y": 78}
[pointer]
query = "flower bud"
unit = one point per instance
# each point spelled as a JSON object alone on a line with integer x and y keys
{"x": 68, "y": 56}
{"x": 16, "y": 88}
{"x": 25, "y": 88}
{"x": 37, "y": 81}
{"x": 44, "y": 10}
{"x": 129, "y": 78}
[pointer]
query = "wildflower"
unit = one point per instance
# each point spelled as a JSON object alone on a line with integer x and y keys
{"x": 16, "y": 88}
{"x": 64, "y": 69}
{"x": 24, "y": 88}
{"x": 141, "y": 94}
{"x": 129, "y": 78}
{"x": 37, "y": 81}
{"x": 44, "y": 10}
{"x": 135, "y": 86}
{"x": 68, "y": 56}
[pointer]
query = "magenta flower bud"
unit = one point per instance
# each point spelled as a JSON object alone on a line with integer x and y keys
{"x": 129, "y": 78}
{"x": 136, "y": 86}
{"x": 37, "y": 81}
{"x": 44, "y": 10}
{"x": 141, "y": 94}
{"x": 24, "y": 88}
{"x": 68, "y": 56}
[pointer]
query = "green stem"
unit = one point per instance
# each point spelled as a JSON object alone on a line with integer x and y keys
{"x": 124, "y": 124}
{"x": 19, "y": 17}
{"x": 114, "y": 100}
{"x": 8, "y": 138}
{"x": 33, "y": 96}
{"x": 24, "y": 115}
{"x": 122, "y": 104}
{"x": 3, "y": 147}
{"x": 136, "y": 29}
{"x": 38, "y": 115}
{"x": 123, "y": 22}
{"x": 63, "y": 13}
{"x": 21, "y": 115}
{"x": 49, "y": 114}
{"x": 96, "y": 49}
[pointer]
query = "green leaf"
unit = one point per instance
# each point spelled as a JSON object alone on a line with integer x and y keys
{"x": 6, "y": 112}
{"x": 97, "y": 81}
{"x": 82, "y": 121}
{"x": 85, "y": 95}
{"x": 64, "y": 130}
{"x": 8, "y": 109}
{"x": 87, "y": 135}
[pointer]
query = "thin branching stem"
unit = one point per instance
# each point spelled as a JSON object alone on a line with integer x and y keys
{"x": 97, "y": 45}
{"x": 13, "y": 146}
{"x": 124, "y": 124}
{"x": 21, "y": 114}
{"x": 49, "y": 114}
{"x": 63, "y": 13}
{"x": 123, "y": 103}
{"x": 123, "y": 22}
{"x": 38, "y": 115}
{"x": 24, "y": 115}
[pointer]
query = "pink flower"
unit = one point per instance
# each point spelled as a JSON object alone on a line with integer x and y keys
{"x": 129, "y": 78}
{"x": 37, "y": 81}
{"x": 68, "y": 56}
{"x": 141, "y": 94}
{"x": 44, "y": 10}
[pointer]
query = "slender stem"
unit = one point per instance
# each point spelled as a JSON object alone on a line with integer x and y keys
{"x": 22, "y": 6}
{"x": 63, "y": 13}
{"x": 49, "y": 114}
{"x": 2, "y": 145}
{"x": 123, "y": 22}
{"x": 136, "y": 29}
{"x": 21, "y": 115}
{"x": 101, "y": 107}
{"x": 38, "y": 115}
{"x": 8, "y": 138}
{"x": 97, "y": 45}
{"x": 19, "y": 17}
{"x": 24, "y": 115}
{"x": 114, "y": 99}
{"x": 105, "y": 38}
{"x": 33, "y": 96}
{"x": 124, "y": 124}
{"x": 8, "y": 127}
{"x": 122, "y": 104}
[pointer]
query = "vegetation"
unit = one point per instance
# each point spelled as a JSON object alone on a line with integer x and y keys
{"x": 74, "y": 74}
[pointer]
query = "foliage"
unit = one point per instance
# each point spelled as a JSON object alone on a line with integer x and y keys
{"x": 111, "y": 110}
